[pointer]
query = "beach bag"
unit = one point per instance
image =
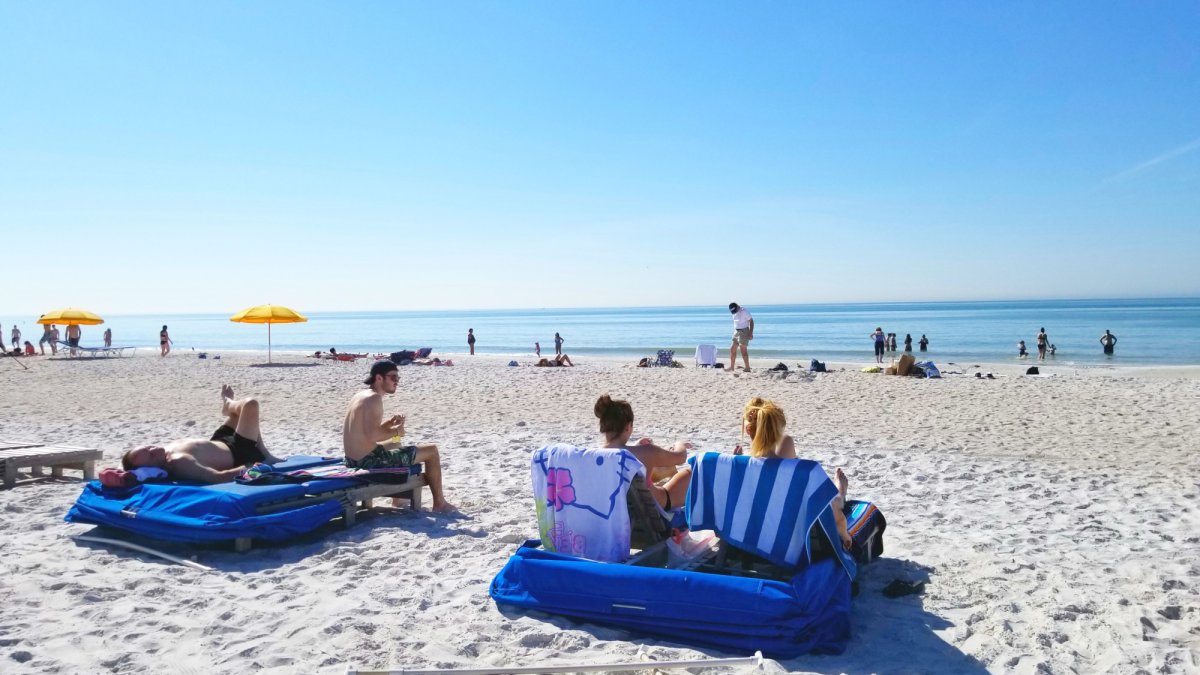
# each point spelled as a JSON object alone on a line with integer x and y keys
{"x": 403, "y": 355}
{"x": 1032, "y": 370}
{"x": 816, "y": 366}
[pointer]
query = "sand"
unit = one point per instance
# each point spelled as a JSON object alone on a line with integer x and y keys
{"x": 1054, "y": 519}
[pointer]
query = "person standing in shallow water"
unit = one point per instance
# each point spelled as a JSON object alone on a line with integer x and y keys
{"x": 924, "y": 343}
{"x": 558, "y": 342}
{"x": 1108, "y": 340}
{"x": 1043, "y": 343}
{"x": 880, "y": 344}
{"x": 471, "y": 340}
{"x": 908, "y": 342}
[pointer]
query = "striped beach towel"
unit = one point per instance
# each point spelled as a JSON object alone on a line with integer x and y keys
{"x": 765, "y": 506}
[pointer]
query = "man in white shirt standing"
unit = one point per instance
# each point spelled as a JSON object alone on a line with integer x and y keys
{"x": 743, "y": 333}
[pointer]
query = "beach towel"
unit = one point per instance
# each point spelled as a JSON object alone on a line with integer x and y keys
{"x": 579, "y": 495}
{"x": 706, "y": 355}
{"x": 765, "y": 506}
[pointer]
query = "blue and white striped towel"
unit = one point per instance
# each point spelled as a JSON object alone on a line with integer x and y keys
{"x": 765, "y": 506}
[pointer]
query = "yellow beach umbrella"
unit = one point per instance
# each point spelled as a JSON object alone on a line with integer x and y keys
{"x": 70, "y": 315}
{"x": 268, "y": 314}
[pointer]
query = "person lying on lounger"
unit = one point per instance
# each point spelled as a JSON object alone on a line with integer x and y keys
{"x": 233, "y": 447}
{"x": 371, "y": 442}
{"x": 616, "y": 423}
{"x": 763, "y": 422}
{"x": 555, "y": 361}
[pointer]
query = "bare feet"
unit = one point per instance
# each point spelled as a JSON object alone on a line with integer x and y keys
{"x": 444, "y": 507}
{"x": 226, "y": 399}
{"x": 843, "y": 484}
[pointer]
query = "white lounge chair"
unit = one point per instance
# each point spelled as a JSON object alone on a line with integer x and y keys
{"x": 706, "y": 355}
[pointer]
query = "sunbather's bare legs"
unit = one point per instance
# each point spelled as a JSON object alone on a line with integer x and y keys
{"x": 429, "y": 456}
{"x": 242, "y": 416}
{"x": 839, "y": 506}
{"x": 673, "y": 493}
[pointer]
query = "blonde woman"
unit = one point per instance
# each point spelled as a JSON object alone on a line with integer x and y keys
{"x": 763, "y": 422}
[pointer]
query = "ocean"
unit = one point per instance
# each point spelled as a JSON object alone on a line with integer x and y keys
{"x": 1149, "y": 331}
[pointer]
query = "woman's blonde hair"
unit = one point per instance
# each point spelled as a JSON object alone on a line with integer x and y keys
{"x": 767, "y": 421}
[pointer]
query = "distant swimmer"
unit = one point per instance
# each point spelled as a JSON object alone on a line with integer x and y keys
{"x": 1021, "y": 349}
{"x": 924, "y": 343}
{"x": 1108, "y": 340}
{"x": 908, "y": 342}
{"x": 1053, "y": 349}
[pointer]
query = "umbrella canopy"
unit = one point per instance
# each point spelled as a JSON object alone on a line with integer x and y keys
{"x": 70, "y": 315}
{"x": 268, "y": 314}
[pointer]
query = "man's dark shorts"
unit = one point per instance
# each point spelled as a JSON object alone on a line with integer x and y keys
{"x": 379, "y": 458}
{"x": 74, "y": 342}
{"x": 245, "y": 451}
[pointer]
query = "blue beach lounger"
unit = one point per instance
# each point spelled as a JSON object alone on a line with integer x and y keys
{"x": 777, "y": 582}
{"x": 190, "y": 512}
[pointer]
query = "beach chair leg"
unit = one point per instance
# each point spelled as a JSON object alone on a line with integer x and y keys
{"x": 242, "y": 544}
{"x": 56, "y": 471}
{"x": 89, "y": 470}
{"x": 415, "y": 498}
{"x": 350, "y": 514}
{"x": 35, "y": 470}
{"x": 10, "y": 474}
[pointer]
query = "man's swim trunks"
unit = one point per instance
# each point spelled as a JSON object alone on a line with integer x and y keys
{"x": 379, "y": 458}
{"x": 245, "y": 451}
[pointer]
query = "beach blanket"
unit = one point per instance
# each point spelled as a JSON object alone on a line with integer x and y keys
{"x": 579, "y": 495}
{"x": 765, "y": 506}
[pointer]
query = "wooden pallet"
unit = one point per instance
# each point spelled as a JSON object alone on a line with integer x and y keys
{"x": 17, "y": 455}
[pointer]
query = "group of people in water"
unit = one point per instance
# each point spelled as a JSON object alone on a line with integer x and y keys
{"x": 371, "y": 441}
{"x": 886, "y": 342}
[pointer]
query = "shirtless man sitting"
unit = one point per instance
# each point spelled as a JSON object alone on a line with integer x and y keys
{"x": 234, "y": 446}
{"x": 371, "y": 442}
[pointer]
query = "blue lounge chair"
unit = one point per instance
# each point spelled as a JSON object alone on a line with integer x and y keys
{"x": 778, "y": 584}
{"x": 191, "y": 512}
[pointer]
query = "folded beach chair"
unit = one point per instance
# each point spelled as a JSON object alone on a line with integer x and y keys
{"x": 665, "y": 358}
{"x": 706, "y": 355}
{"x": 307, "y": 492}
{"x": 802, "y": 607}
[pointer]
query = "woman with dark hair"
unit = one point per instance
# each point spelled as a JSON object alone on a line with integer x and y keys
{"x": 616, "y": 423}
{"x": 164, "y": 341}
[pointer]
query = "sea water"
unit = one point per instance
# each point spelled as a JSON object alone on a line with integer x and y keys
{"x": 1149, "y": 331}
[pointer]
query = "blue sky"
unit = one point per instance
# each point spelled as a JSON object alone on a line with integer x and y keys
{"x": 179, "y": 157}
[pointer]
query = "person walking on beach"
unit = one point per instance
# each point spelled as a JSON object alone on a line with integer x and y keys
{"x": 164, "y": 341}
{"x": 880, "y": 344}
{"x": 743, "y": 333}
{"x": 537, "y": 349}
{"x": 471, "y": 340}
{"x": 107, "y": 337}
{"x": 1043, "y": 342}
{"x": 557, "y": 344}
{"x": 1021, "y": 353}
{"x": 924, "y": 343}
{"x": 371, "y": 442}
{"x": 16, "y": 337}
{"x": 48, "y": 336}
{"x": 908, "y": 342}
{"x": 234, "y": 446}
{"x": 1108, "y": 340}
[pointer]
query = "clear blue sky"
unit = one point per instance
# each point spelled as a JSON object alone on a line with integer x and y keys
{"x": 210, "y": 156}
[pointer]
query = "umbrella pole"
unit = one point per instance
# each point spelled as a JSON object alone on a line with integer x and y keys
{"x": 268, "y": 342}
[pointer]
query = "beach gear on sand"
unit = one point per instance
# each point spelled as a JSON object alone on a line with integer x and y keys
{"x": 729, "y": 598}
{"x": 706, "y": 355}
{"x": 186, "y": 511}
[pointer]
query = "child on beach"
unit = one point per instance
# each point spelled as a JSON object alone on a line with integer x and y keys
{"x": 1021, "y": 353}
{"x": 763, "y": 422}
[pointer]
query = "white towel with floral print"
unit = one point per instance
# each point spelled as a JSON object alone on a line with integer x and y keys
{"x": 580, "y": 499}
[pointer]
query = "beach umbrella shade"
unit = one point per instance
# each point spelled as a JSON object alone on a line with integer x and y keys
{"x": 70, "y": 315}
{"x": 268, "y": 314}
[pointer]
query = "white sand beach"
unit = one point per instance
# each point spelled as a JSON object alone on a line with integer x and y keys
{"x": 1056, "y": 520}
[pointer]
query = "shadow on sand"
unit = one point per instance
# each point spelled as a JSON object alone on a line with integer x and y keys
{"x": 331, "y": 538}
